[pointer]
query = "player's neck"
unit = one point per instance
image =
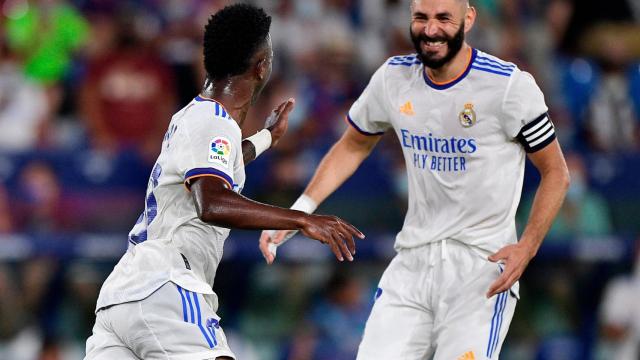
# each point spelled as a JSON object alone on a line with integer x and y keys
{"x": 451, "y": 70}
{"x": 235, "y": 94}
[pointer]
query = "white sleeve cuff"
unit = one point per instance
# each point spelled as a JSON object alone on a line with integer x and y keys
{"x": 261, "y": 141}
{"x": 305, "y": 204}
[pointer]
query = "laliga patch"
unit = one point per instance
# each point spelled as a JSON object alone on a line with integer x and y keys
{"x": 220, "y": 151}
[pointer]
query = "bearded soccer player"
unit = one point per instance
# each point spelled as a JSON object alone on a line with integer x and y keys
{"x": 158, "y": 302}
{"x": 465, "y": 120}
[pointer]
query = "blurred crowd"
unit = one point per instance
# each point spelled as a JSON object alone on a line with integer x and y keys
{"x": 87, "y": 88}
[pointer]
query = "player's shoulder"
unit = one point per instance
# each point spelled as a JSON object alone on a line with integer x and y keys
{"x": 401, "y": 67}
{"x": 403, "y": 61}
{"x": 492, "y": 66}
{"x": 210, "y": 109}
{"x": 207, "y": 113}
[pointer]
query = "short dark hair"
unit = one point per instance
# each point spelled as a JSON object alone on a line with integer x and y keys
{"x": 231, "y": 38}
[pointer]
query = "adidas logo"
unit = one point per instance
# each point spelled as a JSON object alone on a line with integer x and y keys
{"x": 469, "y": 355}
{"x": 407, "y": 109}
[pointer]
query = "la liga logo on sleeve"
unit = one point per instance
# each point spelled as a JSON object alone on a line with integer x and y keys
{"x": 220, "y": 151}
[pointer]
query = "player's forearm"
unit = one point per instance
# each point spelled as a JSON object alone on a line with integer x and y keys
{"x": 337, "y": 166}
{"x": 222, "y": 207}
{"x": 546, "y": 204}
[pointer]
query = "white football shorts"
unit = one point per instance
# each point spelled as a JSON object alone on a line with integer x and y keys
{"x": 172, "y": 323}
{"x": 431, "y": 304}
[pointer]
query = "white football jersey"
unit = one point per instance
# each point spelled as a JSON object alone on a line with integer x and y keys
{"x": 169, "y": 242}
{"x": 464, "y": 145}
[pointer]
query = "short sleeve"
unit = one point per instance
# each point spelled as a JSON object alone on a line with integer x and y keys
{"x": 368, "y": 114}
{"x": 525, "y": 113}
{"x": 210, "y": 147}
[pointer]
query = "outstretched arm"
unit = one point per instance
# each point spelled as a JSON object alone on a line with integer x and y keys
{"x": 549, "y": 197}
{"x": 336, "y": 167}
{"x": 216, "y": 204}
{"x": 340, "y": 163}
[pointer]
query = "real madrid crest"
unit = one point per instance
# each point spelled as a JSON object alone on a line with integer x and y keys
{"x": 467, "y": 116}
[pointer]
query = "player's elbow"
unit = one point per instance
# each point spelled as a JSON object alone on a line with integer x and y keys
{"x": 214, "y": 214}
{"x": 564, "y": 178}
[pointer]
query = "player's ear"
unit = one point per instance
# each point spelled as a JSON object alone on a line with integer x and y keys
{"x": 262, "y": 68}
{"x": 264, "y": 56}
{"x": 469, "y": 18}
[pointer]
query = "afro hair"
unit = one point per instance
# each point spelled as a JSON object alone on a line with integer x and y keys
{"x": 231, "y": 38}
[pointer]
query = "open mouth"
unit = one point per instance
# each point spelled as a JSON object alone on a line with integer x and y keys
{"x": 433, "y": 46}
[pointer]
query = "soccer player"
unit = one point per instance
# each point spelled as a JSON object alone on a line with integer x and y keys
{"x": 465, "y": 120}
{"x": 158, "y": 302}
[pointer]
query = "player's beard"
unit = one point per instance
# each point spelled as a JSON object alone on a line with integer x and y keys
{"x": 429, "y": 59}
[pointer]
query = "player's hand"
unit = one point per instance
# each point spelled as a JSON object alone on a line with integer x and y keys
{"x": 515, "y": 258}
{"x": 267, "y": 245}
{"x": 332, "y": 231}
{"x": 278, "y": 121}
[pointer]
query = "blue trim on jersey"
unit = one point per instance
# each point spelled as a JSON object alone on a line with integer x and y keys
{"x": 493, "y": 321}
{"x": 184, "y": 304}
{"x": 360, "y": 130}
{"x": 193, "y": 317}
{"x": 201, "y": 99}
{"x": 204, "y": 332}
{"x": 496, "y": 338}
{"x": 502, "y": 73}
{"x": 408, "y": 60}
{"x": 444, "y": 86}
{"x": 137, "y": 239}
{"x": 404, "y": 57}
{"x": 494, "y": 63}
{"x": 408, "y": 64}
{"x": 218, "y": 108}
{"x": 208, "y": 171}
{"x": 496, "y": 321}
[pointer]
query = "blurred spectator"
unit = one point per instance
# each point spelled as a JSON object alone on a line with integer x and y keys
{"x": 6, "y": 215}
{"x": 24, "y": 107}
{"x": 40, "y": 207}
{"x": 335, "y": 323}
{"x": 11, "y": 309}
{"x": 613, "y": 123}
{"x": 128, "y": 96}
{"x": 620, "y": 315}
{"x": 45, "y": 33}
{"x": 583, "y": 213}
{"x": 588, "y": 14}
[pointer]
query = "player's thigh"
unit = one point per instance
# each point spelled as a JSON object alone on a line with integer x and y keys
{"x": 474, "y": 327}
{"x": 396, "y": 331}
{"x": 103, "y": 344}
{"x": 399, "y": 326}
{"x": 178, "y": 324}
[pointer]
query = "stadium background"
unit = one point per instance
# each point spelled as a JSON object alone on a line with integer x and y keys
{"x": 87, "y": 88}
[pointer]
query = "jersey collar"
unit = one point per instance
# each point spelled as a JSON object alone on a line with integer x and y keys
{"x": 457, "y": 79}
{"x": 219, "y": 106}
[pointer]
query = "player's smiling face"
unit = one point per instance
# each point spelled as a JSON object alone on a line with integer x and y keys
{"x": 438, "y": 29}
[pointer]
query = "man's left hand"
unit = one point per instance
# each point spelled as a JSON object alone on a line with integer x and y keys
{"x": 278, "y": 121}
{"x": 515, "y": 258}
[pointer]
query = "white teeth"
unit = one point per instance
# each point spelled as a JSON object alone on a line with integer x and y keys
{"x": 436, "y": 43}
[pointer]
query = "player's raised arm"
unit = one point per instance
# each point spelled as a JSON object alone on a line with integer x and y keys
{"x": 275, "y": 127}
{"x": 336, "y": 167}
{"x": 216, "y": 204}
{"x": 340, "y": 163}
